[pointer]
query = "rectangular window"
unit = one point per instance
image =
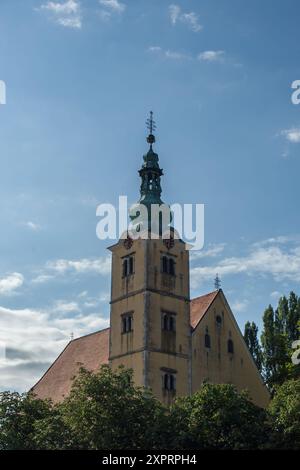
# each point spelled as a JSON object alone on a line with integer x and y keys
{"x": 168, "y": 265}
{"x": 128, "y": 266}
{"x": 127, "y": 323}
{"x": 169, "y": 382}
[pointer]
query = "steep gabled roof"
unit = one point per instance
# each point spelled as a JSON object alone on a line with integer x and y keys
{"x": 199, "y": 307}
{"x": 90, "y": 351}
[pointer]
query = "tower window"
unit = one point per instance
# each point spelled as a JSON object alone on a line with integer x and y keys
{"x": 230, "y": 347}
{"x": 128, "y": 266}
{"x": 169, "y": 382}
{"x": 164, "y": 264}
{"x": 127, "y": 323}
{"x": 168, "y": 265}
{"x": 171, "y": 267}
{"x": 207, "y": 340}
{"x": 168, "y": 322}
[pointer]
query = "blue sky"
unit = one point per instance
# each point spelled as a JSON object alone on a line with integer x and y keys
{"x": 81, "y": 77}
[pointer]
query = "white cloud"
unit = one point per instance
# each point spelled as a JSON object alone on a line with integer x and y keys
{"x": 206, "y": 56}
{"x": 67, "y": 14}
{"x": 174, "y": 11}
{"x": 60, "y": 267}
{"x": 211, "y": 252}
{"x": 84, "y": 293}
{"x": 92, "y": 302}
{"x": 275, "y": 294}
{"x": 10, "y": 283}
{"x": 33, "y": 226}
{"x": 281, "y": 262}
{"x": 173, "y": 55}
{"x": 85, "y": 265}
{"x": 154, "y": 49}
{"x": 113, "y": 5}
{"x": 239, "y": 306}
{"x": 33, "y": 339}
{"x": 211, "y": 56}
{"x": 292, "y": 135}
{"x": 66, "y": 307}
{"x": 70, "y": 22}
{"x": 42, "y": 278}
{"x": 67, "y": 8}
{"x": 190, "y": 19}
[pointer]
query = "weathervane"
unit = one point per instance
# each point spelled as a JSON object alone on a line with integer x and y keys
{"x": 151, "y": 127}
{"x": 217, "y": 282}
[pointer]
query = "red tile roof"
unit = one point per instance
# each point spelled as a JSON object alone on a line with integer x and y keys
{"x": 90, "y": 351}
{"x": 199, "y": 307}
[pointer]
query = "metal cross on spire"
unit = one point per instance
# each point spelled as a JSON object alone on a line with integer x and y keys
{"x": 217, "y": 282}
{"x": 152, "y": 128}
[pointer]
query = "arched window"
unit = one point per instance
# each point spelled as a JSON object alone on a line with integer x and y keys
{"x": 219, "y": 320}
{"x": 230, "y": 347}
{"x": 207, "y": 340}
{"x": 168, "y": 322}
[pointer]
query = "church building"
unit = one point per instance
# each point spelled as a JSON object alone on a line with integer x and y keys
{"x": 172, "y": 343}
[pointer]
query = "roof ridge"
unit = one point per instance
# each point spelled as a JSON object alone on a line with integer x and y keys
{"x": 205, "y": 295}
{"x": 89, "y": 334}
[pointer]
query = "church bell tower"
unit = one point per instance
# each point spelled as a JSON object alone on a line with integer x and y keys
{"x": 150, "y": 303}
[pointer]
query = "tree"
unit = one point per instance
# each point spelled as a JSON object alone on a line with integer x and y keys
{"x": 103, "y": 411}
{"x": 251, "y": 339}
{"x": 276, "y": 353}
{"x": 280, "y": 331}
{"x": 218, "y": 417}
{"x": 106, "y": 411}
{"x": 18, "y": 417}
{"x": 285, "y": 413}
{"x": 293, "y": 317}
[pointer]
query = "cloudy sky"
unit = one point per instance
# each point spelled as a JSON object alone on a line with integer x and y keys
{"x": 81, "y": 76}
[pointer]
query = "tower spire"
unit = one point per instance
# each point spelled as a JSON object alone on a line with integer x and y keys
{"x": 151, "y": 125}
{"x": 150, "y": 174}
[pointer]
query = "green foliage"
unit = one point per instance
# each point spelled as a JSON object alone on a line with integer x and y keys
{"x": 106, "y": 411}
{"x": 19, "y": 415}
{"x": 285, "y": 412}
{"x": 276, "y": 352}
{"x": 251, "y": 339}
{"x": 218, "y": 417}
{"x": 273, "y": 356}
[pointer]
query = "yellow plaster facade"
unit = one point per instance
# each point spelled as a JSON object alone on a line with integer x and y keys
{"x": 217, "y": 364}
{"x": 147, "y": 295}
{"x": 155, "y": 350}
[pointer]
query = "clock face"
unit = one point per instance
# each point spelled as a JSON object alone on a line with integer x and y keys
{"x": 128, "y": 242}
{"x": 169, "y": 242}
